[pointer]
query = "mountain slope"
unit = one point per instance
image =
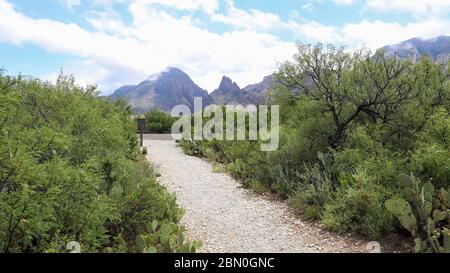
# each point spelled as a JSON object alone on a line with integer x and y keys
{"x": 438, "y": 48}
{"x": 230, "y": 93}
{"x": 227, "y": 93}
{"x": 257, "y": 93}
{"x": 164, "y": 91}
{"x": 123, "y": 91}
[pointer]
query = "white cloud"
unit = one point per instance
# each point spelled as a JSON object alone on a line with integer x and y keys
{"x": 377, "y": 34}
{"x": 75, "y": 3}
{"x": 315, "y": 31}
{"x": 207, "y": 5}
{"x": 253, "y": 19}
{"x": 416, "y": 7}
{"x": 373, "y": 34}
{"x": 117, "y": 52}
{"x": 72, "y": 3}
{"x": 343, "y": 2}
{"x": 152, "y": 42}
{"x": 309, "y": 7}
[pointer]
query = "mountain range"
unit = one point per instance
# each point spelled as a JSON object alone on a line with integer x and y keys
{"x": 230, "y": 93}
{"x": 173, "y": 86}
{"x": 437, "y": 48}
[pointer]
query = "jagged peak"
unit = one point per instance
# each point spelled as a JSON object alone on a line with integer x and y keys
{"x": 227, "y": 84}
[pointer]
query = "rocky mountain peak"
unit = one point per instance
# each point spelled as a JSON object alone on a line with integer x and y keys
{"x": 228, "y": 85}
{"x": 162, "y": 91}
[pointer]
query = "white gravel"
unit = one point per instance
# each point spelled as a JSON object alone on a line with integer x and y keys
{"x": 229, "y": 219}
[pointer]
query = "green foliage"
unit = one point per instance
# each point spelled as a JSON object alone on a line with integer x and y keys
{"x": 373, "y": 117}
{"x": 165, "y": 237}
{"x": 359, "y": 208}
{"x": 191, "y": 147}
{"x": 70, "y": 170}
{"x": 432, "y": 149}
{"x": 257, "y": 186}
{"x": 158, "y": 122}
{"x": 313, "y": 192}
{"x": 425, "y": 213}
{"x": 217, "y": 168}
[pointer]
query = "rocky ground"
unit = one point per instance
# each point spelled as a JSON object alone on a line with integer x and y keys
{"x": 230, "y": 219}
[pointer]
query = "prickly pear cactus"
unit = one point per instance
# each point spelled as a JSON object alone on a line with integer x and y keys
{"x": 403, "y": 211}
{"x": 446, "y": 240}
{"x": 425, "y": 213}
{"x": 166, "y": 237}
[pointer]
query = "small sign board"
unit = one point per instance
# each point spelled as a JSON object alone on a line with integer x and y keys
{"x": 141, "y": 124}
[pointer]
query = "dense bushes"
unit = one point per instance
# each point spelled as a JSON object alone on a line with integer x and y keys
{"x": 359, "y": 207}
{"x": 70, "y": 170}
{"x": 352, "y": 124}
{"x": 158, "y": 122}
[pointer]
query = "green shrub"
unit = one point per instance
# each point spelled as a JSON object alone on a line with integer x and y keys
{"x": 313, "y": 192}
{"x": 430, "y": 158}
{"x": 191, "y": 147}
{"x": 257, "y": 186}
{"x": 432, "y": 161}
{"x": 70, "y": 170}
{"x": 359, "y": 208}
{"x": 158, "y": 122}
{"x": 217, "y": 168}
{"x": 374, "y": 117}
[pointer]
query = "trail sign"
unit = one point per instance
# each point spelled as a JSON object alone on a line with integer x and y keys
{"x": 141, "y": 128}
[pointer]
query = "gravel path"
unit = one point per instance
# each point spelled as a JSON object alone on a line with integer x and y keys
{"x": 229, "y": 219}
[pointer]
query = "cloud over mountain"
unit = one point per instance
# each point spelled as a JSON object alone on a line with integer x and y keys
{"x": 112, "y": 42}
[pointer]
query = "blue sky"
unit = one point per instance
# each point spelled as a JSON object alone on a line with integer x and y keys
{"x": 117, "y": 42}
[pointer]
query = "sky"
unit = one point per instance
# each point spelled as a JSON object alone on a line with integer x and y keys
{"x": 113, "y": 43}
